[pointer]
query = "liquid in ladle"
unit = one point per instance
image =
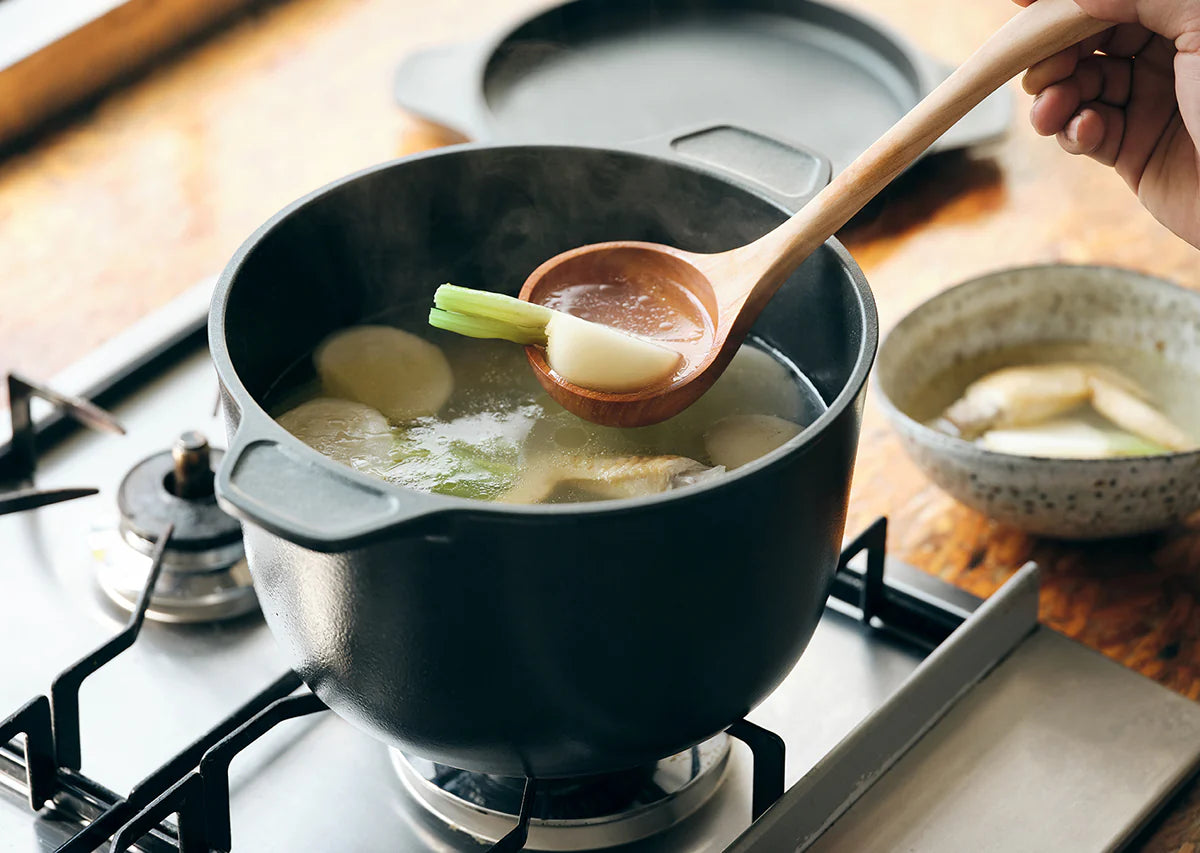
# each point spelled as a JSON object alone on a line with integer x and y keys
{"x": 662, "y": 312}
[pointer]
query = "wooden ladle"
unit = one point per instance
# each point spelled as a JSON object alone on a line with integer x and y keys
{"x": 734, "y": 286}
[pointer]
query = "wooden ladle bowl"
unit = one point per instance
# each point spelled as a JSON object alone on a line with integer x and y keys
{"x": 728, "y": 290}
{"x": 677, "y": 286}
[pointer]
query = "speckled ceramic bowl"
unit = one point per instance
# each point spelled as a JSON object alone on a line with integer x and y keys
{"x": 1065, "y": 498}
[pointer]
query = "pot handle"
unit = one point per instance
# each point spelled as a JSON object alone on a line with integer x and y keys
{"x": 787, "y": 172}
{"x": 276, "y": 486}
{"x": 441, "y": 84}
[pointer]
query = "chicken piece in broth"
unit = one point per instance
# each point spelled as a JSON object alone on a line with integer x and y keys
{"x": 1002, "y": 409}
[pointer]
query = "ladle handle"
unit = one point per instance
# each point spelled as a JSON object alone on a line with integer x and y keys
{"x": 1033, "y": 34}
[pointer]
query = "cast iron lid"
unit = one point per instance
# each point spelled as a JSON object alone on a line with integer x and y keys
{"x": 611, "y": 71}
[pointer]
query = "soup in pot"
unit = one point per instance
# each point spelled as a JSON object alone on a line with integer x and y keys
{"x": 457, "y": 416}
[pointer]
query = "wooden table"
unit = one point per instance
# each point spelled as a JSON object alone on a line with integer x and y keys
{"x": 115, "y": 212}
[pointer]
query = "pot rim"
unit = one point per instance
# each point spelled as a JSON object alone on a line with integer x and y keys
{"x": 266, "y": 428}
{"x": 958, "y": 447}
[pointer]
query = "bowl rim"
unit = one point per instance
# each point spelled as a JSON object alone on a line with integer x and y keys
{"x": 943, "y": 442}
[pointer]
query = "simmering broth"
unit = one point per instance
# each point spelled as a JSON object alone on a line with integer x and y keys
{"x": 499, "y": 436}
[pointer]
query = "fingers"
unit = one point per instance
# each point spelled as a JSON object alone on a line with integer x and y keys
{"x": 1126, "y": 40}
{"x": 1096, "y": 131}
{"x": 1053, "y": 108}
{"x": 1058, "y": 67}
{"x": 1087, "y": 95}
{"x": 1104, "y": 79}
{"x": 1062, "y": 64}
{"x": 1122, "y": 41}
{"x": 1076, "y": 110}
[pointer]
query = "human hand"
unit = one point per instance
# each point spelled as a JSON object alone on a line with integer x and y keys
{"x": 1130, "y": 98}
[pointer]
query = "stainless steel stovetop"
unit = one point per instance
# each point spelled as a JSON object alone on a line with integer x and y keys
{"x": 1002, "y": 736}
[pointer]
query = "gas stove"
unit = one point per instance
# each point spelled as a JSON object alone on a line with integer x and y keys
{"x": 153, "y": 711}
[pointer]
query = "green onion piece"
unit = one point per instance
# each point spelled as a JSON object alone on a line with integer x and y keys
{"x": 486, "y": 327}
{"x": 492, "y": 306}
{"x": 1132, "y": 445}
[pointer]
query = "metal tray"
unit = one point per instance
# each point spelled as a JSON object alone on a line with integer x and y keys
{"x": 611, "y": 71}
{"x": 1050, "y": 747}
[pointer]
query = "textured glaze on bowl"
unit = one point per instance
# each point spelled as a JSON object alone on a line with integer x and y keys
{"x": 1065, "y": 498}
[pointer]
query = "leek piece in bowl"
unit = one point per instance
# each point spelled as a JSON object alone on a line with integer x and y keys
{"x": 1091, "y": 430}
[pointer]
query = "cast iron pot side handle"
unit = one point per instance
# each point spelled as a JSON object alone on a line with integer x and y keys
{"x": 442, "y": 84}
{"x": 787, "y": 172}
{"x": 273, "y": 486}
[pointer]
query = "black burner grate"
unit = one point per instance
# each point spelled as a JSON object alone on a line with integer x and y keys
{"x": 52, "y": 751}
{"x": 923, "y": 619}
{"x": 18, "y": 459}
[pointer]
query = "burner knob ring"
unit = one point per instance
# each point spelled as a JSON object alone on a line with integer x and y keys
{"x": 175, "y": 487}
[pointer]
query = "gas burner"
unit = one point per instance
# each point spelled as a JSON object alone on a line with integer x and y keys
{"x": 593, "y": 812}
{"x": 204, "y": 575}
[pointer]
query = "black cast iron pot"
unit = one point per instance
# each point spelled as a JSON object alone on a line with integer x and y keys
{"x": 535, "y": 640}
